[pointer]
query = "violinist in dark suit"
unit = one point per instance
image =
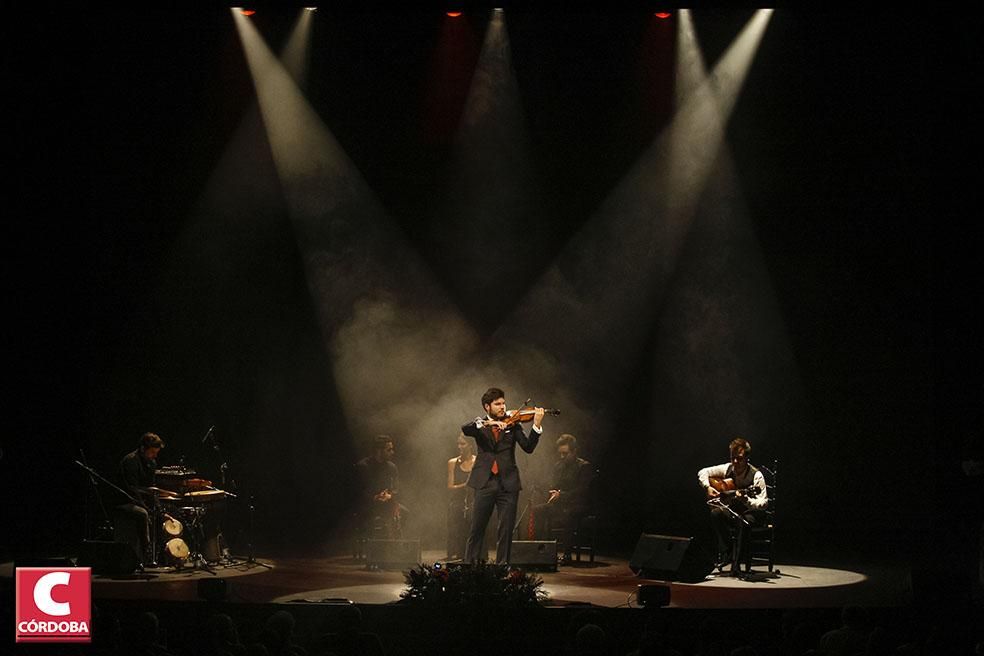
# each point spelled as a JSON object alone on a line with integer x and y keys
{"x": 495, "y": 476}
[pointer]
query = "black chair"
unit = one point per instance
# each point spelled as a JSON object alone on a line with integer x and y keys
{"x": 761, "y": 537}
{"x": 583, "y": 538}
{"x": 583, "y": 535}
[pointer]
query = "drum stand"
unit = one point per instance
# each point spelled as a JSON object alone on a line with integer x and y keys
{"x": 196, "y": 558}
{"x": 155, "y": 522}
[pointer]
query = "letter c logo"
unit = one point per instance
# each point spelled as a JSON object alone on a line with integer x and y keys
{"x": 42, "y": 594}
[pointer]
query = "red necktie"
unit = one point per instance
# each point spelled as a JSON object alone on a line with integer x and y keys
{"x": 495, "y": 436}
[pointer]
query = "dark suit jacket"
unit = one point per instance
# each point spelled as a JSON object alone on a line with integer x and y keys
{"x": 502, "y": 452}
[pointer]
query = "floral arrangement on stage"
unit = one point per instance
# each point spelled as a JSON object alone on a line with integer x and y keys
{"x": 483, "y": 583}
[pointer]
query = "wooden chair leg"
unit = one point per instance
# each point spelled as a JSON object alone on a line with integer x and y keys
{"x": 772, "y": 549}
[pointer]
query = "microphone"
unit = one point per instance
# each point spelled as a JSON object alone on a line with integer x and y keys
{"x": 207, "y": 434}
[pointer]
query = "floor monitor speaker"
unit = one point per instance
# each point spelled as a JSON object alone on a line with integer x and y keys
{"x": 534, "y": 554}
{"x": 107, "y": 558}
{"x": 670, "y": 558}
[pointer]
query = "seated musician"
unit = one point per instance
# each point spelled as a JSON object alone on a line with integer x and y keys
{"x": 137, "y": 475}
{"x": 741, "y": 497}
{"x": 567, "y": 499}
{"x": 381, "y": 483}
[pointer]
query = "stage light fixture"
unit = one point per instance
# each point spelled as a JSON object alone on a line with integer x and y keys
{"x": 247, "y": 12}
{"x": 662, "y": 14}
{"x": 454, "y": 14}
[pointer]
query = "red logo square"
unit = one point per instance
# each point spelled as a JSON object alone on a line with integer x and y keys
{"x": 54, "y": 604}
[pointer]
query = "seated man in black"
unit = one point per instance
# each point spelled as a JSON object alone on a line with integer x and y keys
{"x": 568, "y": 498}
{"x": 740, "y": 496}
{"x": 385, "y": 516}
{"x": 136, "y": 475}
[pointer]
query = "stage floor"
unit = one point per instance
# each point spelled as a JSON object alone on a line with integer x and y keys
{"x": 607, "y": 583}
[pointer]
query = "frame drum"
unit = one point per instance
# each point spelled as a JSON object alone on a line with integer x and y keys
{"x": 173, "y": 527}
{"x": 176, "y": 551}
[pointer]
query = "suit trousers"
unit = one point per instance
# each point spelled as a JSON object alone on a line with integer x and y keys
{"x": 493, "y": 495}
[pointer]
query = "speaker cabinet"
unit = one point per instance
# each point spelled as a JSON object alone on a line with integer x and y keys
{"x": 392, "y": 553}
{"x": 534, "y": 554}
{"x": 670, "y": 558}
{"x": 108, "y": 558}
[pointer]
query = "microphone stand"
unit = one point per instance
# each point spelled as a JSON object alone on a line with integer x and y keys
{"x": 153, "y": 520}
{"x": 529, "y": 501}
{"x": 250, "y": 560}
{"x": 93, "y": 472}
{"x": 220, "y": 537}
{"x": 223, "y": 468}
{"x": 528, "y": 508}
{"x": 107, "y": 524}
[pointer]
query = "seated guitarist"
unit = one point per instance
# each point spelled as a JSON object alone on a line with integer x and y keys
{"x": 739, "y": 499}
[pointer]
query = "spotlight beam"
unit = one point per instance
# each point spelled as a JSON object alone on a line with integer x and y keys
{"x": 294, "y": 56}
{"x": 387, "y": 325}
{"x": 610, "y": 277}
{"x": 491, "y": 184}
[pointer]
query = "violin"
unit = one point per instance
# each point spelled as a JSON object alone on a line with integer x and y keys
{"x": 526, "y": 414}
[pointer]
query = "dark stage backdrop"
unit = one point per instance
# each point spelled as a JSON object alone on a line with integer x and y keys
{"x": 167, "y": 289}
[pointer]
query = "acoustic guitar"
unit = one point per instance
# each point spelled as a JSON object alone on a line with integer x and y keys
{"x": 729, "y": 493}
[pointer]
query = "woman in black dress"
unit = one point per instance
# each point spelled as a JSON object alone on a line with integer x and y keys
{"x": 459, "y": 501}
